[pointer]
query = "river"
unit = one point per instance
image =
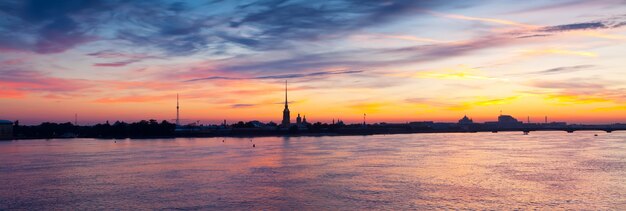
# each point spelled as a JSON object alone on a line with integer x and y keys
{"x": 543, "y": 170}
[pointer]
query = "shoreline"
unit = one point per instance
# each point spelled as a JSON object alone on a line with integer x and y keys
{"x": 304, "y": 134}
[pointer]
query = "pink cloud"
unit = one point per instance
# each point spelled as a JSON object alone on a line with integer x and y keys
{"x": 22, "y": 82}
{"x": 134, "y": 99}
{"x": 11, "y": 94}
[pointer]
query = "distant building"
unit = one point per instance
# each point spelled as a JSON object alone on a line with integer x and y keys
{"x": 299, "y": 119}
{"x": 6, "y": 129}
{"x": 301, "y": 123}
{"x": 466, "y": 121}
{"x": 339, "y": 122}
{"x": 507, "y": 121}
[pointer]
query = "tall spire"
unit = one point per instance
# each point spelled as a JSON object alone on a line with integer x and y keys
{"x": 286, "y": 117}
{"x": 177, "y": 111}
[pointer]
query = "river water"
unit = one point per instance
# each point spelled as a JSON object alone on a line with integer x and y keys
{"x": 546, "y": 170}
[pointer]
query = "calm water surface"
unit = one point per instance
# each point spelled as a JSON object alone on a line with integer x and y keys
{"x": 548, "y": 170}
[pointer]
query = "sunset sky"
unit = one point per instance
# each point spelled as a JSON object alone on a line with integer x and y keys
{"x": 396, "y": 61}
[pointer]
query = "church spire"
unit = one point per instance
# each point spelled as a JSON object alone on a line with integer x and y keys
{"x": 286, "y": 117}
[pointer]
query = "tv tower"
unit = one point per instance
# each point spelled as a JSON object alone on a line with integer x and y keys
{"x": 177, "y": 111}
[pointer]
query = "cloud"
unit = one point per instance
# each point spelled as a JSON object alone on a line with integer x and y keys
{"x": 108, "y": 54}
{"x": 612, "y": 108}
{"x": 261, "y": 25}
{"x": 286, "y": 76}
{"x": 422, "y": 53}
{"x": 497, "y": 101}
{"x": 567, "y": 85}
{"x": 430, "y": 102}
{"x": 176, "y": 35}
{"x": 11, "y": 93}
{"x": 576, "y": 99}
{"x": 574, "y": 26}
{"x": 488, "y": 20}
{"x": 116, "y": 64}
{"x": 47, "y": 27}
{"x": 463, "y": 104}
{"x": 454, "y": 75}
{"x": 534, "y": 36}
{"x": 134, "y": 99}
{"x": 577, "y": 91}
{"x": 129, "y": 58}
{"x": 564, "y": 69}
{"x": 277, "y": 21}
{"x": 553, "y": 6}
{"x": 27, "y": 81}
{"x": 534, "y": 31}
{"x": 560, "y": 52}
{"x": 178, "y": 29}
{"x": 397, "y": 37}
{"x": 459, "y": 72}
{"x": 242, "y": 105}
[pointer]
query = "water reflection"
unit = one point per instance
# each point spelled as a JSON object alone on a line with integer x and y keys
{"x": 552, "y": 170}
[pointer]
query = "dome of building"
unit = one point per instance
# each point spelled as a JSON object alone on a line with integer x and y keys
{"x": 465, "y": 120}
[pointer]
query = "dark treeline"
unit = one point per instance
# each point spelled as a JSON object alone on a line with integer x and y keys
{"x": 142, "y": 129}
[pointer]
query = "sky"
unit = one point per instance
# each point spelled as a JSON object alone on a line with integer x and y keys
{"x": 396, "y": 61}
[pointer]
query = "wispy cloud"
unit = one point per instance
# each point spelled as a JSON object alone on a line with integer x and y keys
{"x": 28, "y": 81}
{"x": 134, "y": 99}
{"x": 564, "y": 69}
{"x": 242, "y": 105}
{"x": 574, "y": 26}
{"x": 454, "y": 75}
{"x": 459, "y": 104}
{"x": 568, "y": 85}
{"x": 12, "y": 94}
{"x": 487, "y": 20}
{"x": 534, "y": 31}
{"x": 110, "y": 54}
{"x": 115, "y": 64}
{"x": 398, "y": 37}
{"x": 286, "y": 76}
{"x": 560, "y": 52}
{"x": 576, "y": 99}
{"x": 581, "y": 91}
{"x": 460, "y": 72}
